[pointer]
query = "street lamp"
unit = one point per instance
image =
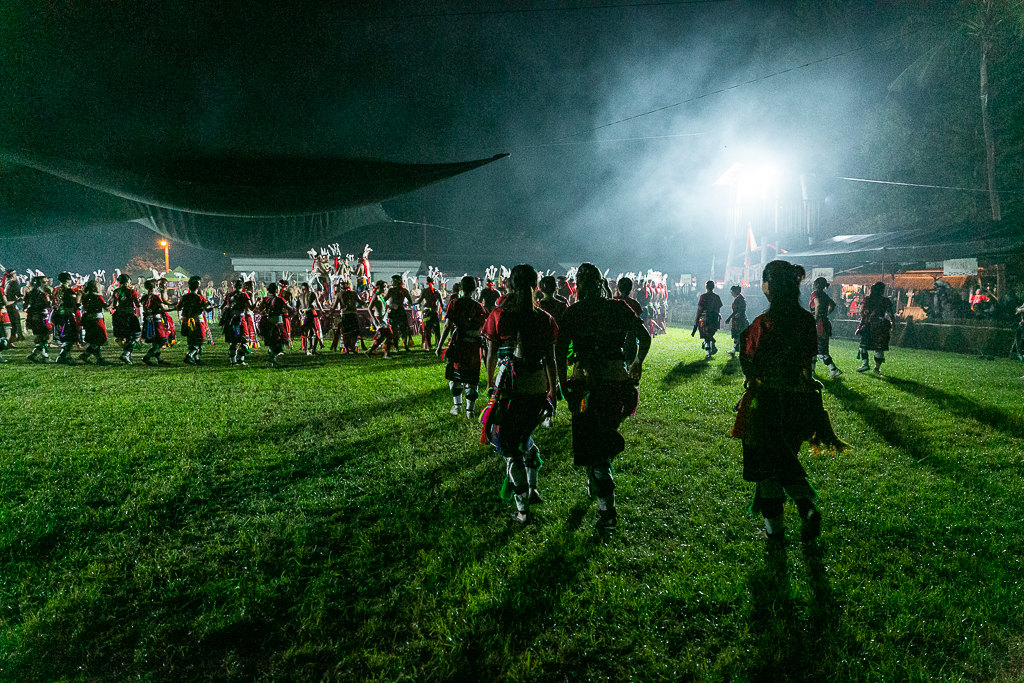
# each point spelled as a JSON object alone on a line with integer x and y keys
{"x": 167, "y": 260}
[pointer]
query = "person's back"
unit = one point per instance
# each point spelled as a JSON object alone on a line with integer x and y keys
{"x": 779, "y": 347}
{"x": 599, "y": 330}
{"x": 551, "y": 303}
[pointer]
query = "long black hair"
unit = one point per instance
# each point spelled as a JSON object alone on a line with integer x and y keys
{"x": 590, "y": 283}
{"x": 523, "y": 283}
{"x": 783, "y": 280}
{"x": 877, "y": 291}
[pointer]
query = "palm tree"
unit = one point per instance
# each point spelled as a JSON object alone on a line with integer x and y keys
{"x": 980, "y": 27}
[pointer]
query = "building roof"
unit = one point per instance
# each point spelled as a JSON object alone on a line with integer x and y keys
{"x": 936, "y": 243}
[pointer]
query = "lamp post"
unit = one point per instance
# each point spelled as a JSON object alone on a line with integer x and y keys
{"x": 167, "y": 260}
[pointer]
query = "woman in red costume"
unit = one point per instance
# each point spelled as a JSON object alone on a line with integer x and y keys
{"x": 154, "y": 327}
{"x": 520, "y": 339}
{"x": 93, "y": 305}
{"x": 781, "y": 407}
{"x": 463, "y": 320}
{"x": 602, "y": 391}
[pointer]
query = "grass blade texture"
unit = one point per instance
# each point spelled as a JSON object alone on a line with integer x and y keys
{"x": 332, "y": 521}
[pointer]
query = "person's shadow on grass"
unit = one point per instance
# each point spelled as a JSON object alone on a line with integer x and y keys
{"x": 792, "y": 637}
{"x": 684, "y": 371}
{"x": 961, "y": 406}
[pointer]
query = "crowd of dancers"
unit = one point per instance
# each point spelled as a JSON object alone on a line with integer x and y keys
{"x": 338, "y": 302}
{"x": 536, "y": 340}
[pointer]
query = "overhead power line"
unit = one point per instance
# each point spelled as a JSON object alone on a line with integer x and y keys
{"x": 935, "y": 187}
{"x": 535, "y": 10}
{"x": 434, "y": 225}
{"x": 590, "y": 142}
{"x": 740, "y": 85}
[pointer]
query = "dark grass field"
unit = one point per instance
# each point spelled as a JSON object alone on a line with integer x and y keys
{"x": 331, "y": 521}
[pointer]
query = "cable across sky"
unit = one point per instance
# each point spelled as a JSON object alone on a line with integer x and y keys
{"x": 740, "y": 85}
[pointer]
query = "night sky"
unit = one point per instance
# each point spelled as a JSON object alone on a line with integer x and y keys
{"x": 430, "y": 82}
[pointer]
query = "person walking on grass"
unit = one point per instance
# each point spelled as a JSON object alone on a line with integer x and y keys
{"x": 781, "y": 406}
{"x": 154, "y": 328}
{"x": 5, "y": 319}
{"x": 737, "y": 320}
{"x": 93, "y": 305}
{"x": 192, "y": 306}
{"x": 602, "y": 391}
{"x": 12, "y": 294}
{"x": 822, "y": 305}
{"x": 63, "y": 318}
{"x": 125, "y": 316}
{"x": 237, "y": 304}
{"x": 464, "y": 318}
{"x": 274, "y": 312}
{"x": 876, "y": 321}
{"x": 708, "y": 319}
{"x": 37, "y": 309}
{"x": 382, "y": 335}
{"x": 623, "y": 289}
{"x": 521, "y": 371}
{"x": 430, "y": 301}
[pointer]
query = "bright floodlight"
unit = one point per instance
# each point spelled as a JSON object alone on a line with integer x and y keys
{"x": 750, "y": 180}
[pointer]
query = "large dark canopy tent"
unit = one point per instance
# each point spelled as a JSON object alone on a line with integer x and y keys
{"x": 229, "y": 204}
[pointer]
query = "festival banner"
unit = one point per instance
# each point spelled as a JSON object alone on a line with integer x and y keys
{"x": 960, "y": 266}
{"x": 827, "y": 273}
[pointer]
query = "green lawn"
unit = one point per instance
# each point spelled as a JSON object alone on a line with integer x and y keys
{"x": 331, "y": 521}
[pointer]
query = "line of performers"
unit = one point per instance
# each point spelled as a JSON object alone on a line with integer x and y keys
{"x": 387, "y": 317}
{"x": 528, "y": 343}
{"x": 536, "y": 348}
{"x": 877, "y": 320}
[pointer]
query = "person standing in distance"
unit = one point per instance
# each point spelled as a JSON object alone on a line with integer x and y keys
{"x": 708, "y": 319}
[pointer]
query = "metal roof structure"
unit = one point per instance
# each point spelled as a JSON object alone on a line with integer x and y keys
{"x": 914, "y": 245}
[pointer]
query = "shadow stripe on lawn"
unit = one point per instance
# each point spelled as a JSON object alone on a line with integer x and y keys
{"x": 961, "y": 406}
{"x": 897, "y": 429}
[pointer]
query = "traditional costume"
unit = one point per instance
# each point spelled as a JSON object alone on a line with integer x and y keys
{"x": 125, "y": 316}
{"x": 737, "y": 319}
{"x": 398, "y": 315}
{"x": 708, "y": 321}
{"x": 309, "y": 310}
{"x": 382, "y": 332}
{"x": 236, "y": 306}
{"x": 154, "y": 326}
{"x": 64, "y": 318}
{"x": 600, "y": 393}
{"x": 463, "y": 320}
{"x": 192, "y": 307}
{"x": 521, "y": 342}
{"x": 622, "y": 292}
{"x": 37, "y": 313}
{"x": 348, "y": 325}
{"x": 5, "y": 320}
{"x": 430, "y": 303}
{"x": 12, "y": 293}
{"x": 274, "y": 310}
{"x": 782, "y": 406}
{"x": 93, "y": 306}
{"x": 876, "y": 321}
{"x": 822, "y": 305}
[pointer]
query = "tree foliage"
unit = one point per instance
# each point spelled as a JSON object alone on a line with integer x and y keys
{"x": 929, "y": 129}
{"x": 141, "y": 264}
